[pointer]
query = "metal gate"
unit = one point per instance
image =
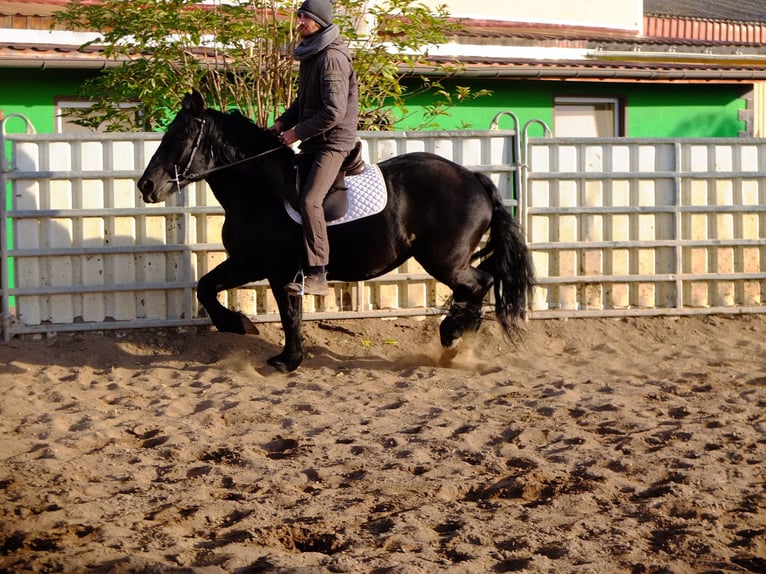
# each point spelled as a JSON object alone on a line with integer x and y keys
{"x": 647, "y": 227}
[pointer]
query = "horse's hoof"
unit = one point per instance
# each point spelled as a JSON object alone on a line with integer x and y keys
{"x": 449, "y": 332}
{"x": 283, "y": 364}
{"x": 235, "y": 323}
{"x": 450, "y": 352}
{"x": 248, "y": 326}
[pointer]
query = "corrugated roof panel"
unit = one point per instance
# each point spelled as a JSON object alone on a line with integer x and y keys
{"x": 722, "y": 32}
{"x": 733, "y": 10}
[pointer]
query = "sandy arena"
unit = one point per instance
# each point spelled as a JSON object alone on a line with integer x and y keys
{"x": 590, "y": 446}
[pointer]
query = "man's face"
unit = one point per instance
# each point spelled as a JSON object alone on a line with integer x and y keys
{"x": 307, "y": 26}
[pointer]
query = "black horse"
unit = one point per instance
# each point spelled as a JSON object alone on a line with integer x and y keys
{"x": 437, "y": 212}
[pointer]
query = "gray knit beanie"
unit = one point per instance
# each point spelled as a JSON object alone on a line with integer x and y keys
{"x": 318, "y": 10}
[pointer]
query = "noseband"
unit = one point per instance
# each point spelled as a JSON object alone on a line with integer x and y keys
{"x": 186, "y": 176}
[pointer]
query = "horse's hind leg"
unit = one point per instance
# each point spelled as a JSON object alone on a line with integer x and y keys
{"x": 225, "y": 276}
{"x": 464, "y": 316}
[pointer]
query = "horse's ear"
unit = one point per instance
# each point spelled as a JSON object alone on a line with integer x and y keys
{"x": 195, "y": 103}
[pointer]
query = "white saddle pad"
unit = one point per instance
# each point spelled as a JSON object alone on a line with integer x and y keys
{"x": 366, "y": 196}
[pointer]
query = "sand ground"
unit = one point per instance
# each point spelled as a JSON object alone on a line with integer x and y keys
{"x": 611, "y": 445}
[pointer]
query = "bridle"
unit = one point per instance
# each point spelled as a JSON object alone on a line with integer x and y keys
{"x": 187, "y": 176}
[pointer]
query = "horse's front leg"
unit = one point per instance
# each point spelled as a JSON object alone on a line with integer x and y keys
{"x": 290, "y": 314}
{"x": 225, "y": 276}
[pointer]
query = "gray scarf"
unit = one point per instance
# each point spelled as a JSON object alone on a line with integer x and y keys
{"x": 316, "y": 42}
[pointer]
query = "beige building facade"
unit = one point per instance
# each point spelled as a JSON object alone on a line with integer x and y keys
{"x": 614, "y": 14}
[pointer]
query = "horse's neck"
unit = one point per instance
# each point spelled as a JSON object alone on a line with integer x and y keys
{"x": 246, "y": 193}
{"x": 265, "y": 177}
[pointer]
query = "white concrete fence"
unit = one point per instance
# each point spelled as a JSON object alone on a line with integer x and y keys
{"x": 616, "y": 227}
{"x": 646, "y": 227}
{"x": 87, "y": 253}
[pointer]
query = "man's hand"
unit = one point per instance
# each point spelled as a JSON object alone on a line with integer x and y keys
{"x": 289, "y": 137}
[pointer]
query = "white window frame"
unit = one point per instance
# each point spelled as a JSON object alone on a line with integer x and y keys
{"x": 64, "y": 104}
{"x": 615, "y": 102}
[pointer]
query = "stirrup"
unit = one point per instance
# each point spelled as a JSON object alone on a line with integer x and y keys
{"x": 296, "y": 287}
{"x": 310, "y": 285}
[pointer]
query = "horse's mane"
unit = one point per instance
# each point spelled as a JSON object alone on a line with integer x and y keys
{"x": 237, "y": 136}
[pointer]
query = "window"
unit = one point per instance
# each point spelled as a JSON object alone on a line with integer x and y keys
{"x": 66, "y": 125}
{"x": 587, "y": 117}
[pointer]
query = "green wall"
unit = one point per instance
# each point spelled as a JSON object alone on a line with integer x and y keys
{"x": 653, "y": 110}
{"x": 686, "y": 111}
{"x": 33, "y": 93}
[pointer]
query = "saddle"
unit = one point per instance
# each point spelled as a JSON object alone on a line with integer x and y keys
{"x": 336, "y": 203}
{"x": 357, "y": 195}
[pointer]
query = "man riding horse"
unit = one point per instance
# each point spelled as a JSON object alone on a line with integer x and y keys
{"x": 324, "y": 118}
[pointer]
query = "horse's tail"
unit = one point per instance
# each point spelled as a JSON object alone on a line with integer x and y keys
{"x": 507, "y": 258}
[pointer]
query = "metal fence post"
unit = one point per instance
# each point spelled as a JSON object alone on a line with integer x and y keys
{"x": 5, "y": 197}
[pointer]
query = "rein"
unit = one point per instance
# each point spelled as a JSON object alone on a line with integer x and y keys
{"x": 185, "y": 176}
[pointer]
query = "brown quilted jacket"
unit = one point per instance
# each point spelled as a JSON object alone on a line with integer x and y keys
{"x": 326, "y": 111}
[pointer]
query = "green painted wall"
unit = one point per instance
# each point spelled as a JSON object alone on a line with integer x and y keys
{"x": 686, "y": 111}
{"x": 653, "y": 110}
{"x": 33, "y": 94}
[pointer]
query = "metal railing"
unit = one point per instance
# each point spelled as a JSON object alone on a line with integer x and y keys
{"x": 647, "y": 227}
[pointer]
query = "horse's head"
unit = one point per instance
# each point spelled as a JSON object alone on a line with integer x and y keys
{"x": 180, "y": 157}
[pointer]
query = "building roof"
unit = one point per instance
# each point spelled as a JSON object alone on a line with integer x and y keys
{"x": 615, "y": 70}
{"x": 682, "y": 41}
{"x": 51, "y": 56}
{"x": 31, "y": 7}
